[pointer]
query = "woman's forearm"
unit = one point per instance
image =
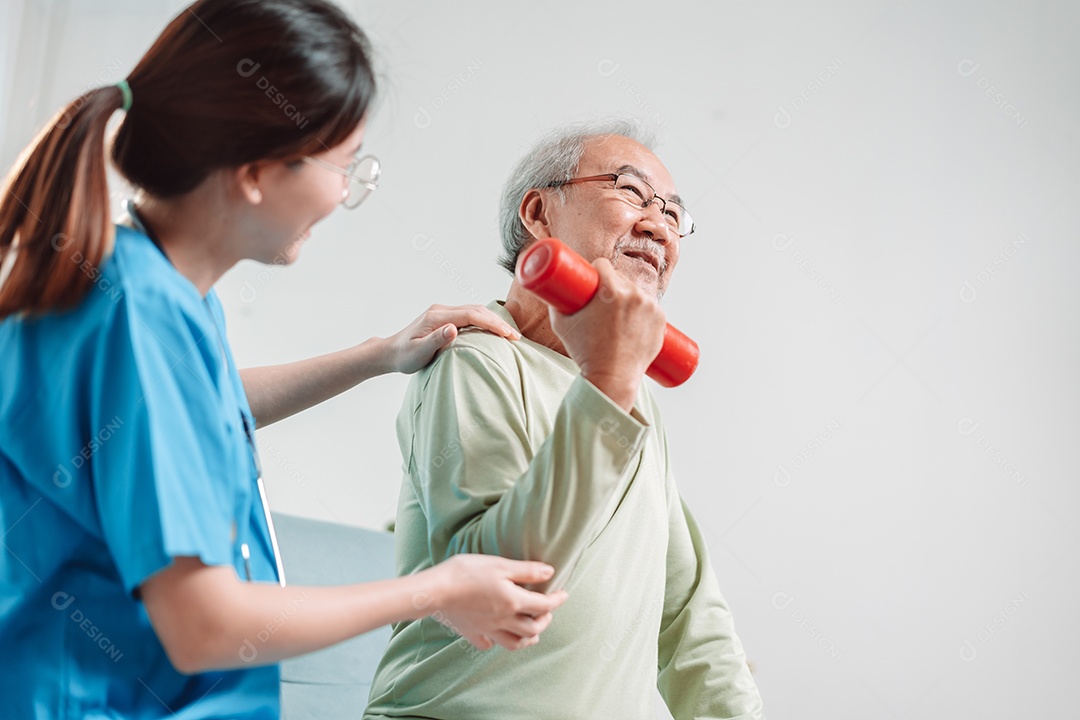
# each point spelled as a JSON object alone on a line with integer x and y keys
{"x": 275, "y": 392}
{"x": 278, "y": 391}
{"x": 208, "y": 620}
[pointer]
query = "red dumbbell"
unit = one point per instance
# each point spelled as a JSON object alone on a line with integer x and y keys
{"x": 565, "y": 280}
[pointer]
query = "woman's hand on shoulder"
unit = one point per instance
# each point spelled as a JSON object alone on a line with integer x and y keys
{"x": 416, "y": 345}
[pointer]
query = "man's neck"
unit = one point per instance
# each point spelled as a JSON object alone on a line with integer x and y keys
{"x": 531, "y": 315}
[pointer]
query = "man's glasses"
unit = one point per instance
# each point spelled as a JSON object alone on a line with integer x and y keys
{"x": 640, "y": 194}
{"x": 363, "y": 176}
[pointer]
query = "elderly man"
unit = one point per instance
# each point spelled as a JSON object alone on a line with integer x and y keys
{"x": 551, "y": 448}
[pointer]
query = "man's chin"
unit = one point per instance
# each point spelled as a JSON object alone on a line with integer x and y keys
{"x": 649, "y": 285}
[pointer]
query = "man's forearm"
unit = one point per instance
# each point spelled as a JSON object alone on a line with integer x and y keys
{"x": 275, "y": 392}
{"x": 483, "y": 489}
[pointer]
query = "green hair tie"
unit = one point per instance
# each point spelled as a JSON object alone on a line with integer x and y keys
{"x": 125, "y": 89}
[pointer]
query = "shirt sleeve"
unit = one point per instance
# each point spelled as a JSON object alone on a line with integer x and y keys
{"x": 485, "y": 487}
{"x": 164, "y": 480}
{"x": 702, "y": 666}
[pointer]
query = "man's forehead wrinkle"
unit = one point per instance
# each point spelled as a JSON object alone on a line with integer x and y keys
{"x": 600, "y": 157}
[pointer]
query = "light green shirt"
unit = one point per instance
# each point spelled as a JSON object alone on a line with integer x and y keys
{"x": 509, "y": 451}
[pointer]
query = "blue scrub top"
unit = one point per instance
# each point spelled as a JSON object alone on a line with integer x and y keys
{"x": 122, "y": 446}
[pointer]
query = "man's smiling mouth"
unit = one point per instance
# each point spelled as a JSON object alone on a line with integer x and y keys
{"x": 649, "y": 258}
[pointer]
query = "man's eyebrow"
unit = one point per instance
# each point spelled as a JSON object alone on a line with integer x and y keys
{"x": 630, "y": 169}
{"x": 634, "y": 171}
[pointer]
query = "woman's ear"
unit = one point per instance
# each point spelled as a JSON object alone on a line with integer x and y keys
{"x": 535, "y": 213}
{"x": 248, "y": 179}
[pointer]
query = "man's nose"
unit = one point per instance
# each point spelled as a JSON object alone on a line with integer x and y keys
{"x": 651, "y": 222}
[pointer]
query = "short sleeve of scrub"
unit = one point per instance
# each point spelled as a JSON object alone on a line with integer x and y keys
{"x": 166, "y": 482}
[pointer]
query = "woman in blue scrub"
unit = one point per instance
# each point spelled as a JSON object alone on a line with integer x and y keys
{"x": 138, "y": 569}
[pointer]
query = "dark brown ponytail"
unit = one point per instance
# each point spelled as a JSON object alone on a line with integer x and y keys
{"x": 54, "y": 213}
{"x": 228, "y": 82}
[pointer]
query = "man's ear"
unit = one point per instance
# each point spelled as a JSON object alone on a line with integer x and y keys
{"x": 535, "y": 213}
{"x": 248, "y": 178}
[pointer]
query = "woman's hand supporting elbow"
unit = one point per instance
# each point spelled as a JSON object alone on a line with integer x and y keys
{"x": 208, "y": 619}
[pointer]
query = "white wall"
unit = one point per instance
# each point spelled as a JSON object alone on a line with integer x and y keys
{"x": 879, "y": 442}
{"x": 11, "y": 17}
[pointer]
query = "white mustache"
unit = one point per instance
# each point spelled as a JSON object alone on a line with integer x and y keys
{"x": 646, "y": 247}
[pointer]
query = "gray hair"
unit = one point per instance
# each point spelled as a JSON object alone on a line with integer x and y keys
{"x": 554, "y": 158}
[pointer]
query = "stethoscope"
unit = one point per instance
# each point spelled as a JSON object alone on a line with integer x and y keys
{"x": 249, "y": 427}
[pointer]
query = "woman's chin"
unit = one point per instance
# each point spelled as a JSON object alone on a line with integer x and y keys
{"x": 292, "y": 251}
